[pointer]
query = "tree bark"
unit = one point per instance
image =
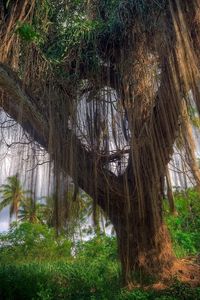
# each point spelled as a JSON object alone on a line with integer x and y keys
{"x": 144, "y": 247}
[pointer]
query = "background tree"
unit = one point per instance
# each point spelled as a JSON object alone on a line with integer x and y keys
{"x": 12, "y": 195}
{"x": 31, "y": 211}
{"x": 79, "y": 210}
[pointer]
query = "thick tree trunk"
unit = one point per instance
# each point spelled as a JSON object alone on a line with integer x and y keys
{"x": 143, "y": 240}
{"x": 143, "y": 244}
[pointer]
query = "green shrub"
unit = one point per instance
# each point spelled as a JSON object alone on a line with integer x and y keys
{"x": 23, "y": 281}
{"x": 77, "y": 281}
{"x": 30, "y": 242}
{"x": 135, "y": 295}
{"x": 100, "y": 246}
{"x": 185, "y": 227}
{"x": 57, "y": 281}
{"x": 28, "y": 33}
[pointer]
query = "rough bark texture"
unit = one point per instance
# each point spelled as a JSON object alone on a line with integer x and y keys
{"x": 143, "y": 249}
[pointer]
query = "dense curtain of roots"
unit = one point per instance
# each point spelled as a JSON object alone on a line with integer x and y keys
{"x": 112, "y": 126}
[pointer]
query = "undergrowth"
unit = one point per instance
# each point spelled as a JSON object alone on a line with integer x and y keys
{"x": 34, "y": 264}
{"x": 185, "y": 227}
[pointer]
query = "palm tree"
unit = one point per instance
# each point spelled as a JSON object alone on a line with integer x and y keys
{"x": 12, "y": 194}
{"x": 31, "y": 211}
{"x": 76, "y": 210}
{"x": 48, "y": 211}
{"x": 72, "y": 209}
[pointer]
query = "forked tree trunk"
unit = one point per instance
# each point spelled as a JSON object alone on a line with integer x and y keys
{"x": 143, "y": 240}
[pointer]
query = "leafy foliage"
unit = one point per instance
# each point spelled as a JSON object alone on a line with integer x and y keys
{"x": 31, "y": 211}
{"x": 97, "y": 279}
{"x": 28, "y": 33}
{"x": 185, "y": 227}
{"x": 33, "y": 242}
{"x": 12, "y": 194}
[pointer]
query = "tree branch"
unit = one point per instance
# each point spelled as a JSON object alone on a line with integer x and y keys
{"x": 20, "y": 106}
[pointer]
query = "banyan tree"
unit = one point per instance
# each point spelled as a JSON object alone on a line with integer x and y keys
{"x": 102, "y": 86}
